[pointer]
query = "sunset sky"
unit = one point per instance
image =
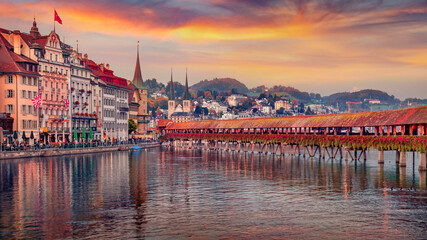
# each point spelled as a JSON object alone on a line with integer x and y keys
{"x": 317, "y": 46}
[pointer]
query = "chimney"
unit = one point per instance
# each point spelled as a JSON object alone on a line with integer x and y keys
{"x": 101, "y": 66}
{"x": 107, "y": 66}
{"x": 85, "y": 56}
{"x": 17, "y": 42}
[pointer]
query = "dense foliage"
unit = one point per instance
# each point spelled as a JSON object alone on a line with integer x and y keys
{"x": 401, "y": 143}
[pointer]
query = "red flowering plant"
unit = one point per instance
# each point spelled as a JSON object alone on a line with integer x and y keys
{"x": 401, "y": 143}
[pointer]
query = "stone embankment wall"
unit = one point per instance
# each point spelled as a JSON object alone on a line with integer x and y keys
{"x": 61, "y": 152}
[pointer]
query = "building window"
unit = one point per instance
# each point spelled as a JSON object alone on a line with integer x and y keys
{"x": 24, "y": 80}
{"x": 23, "y": 124}
{"x": 56, "y": 57}
{"x": 10, "y": 79}
{"x": 35, "y": 81}
{"x": 23, "y": 108}
{"x": 45, "y": 68}
{"x": 9, "y": 93}
{"x": 9, "y": 108}
{"x": 51, "y": 58}
{"x": 45, "y": 96}
{"x": 24, "y": 93}
{"x": 51, "y": 69}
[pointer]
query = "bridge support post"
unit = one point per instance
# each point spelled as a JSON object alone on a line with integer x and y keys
{"x": 292, "y": 150}
{"x": 346, "y": 154}
{"x": 311, "y": 151}
{"x": 402, "y": 162}
{"x": 323, "y": 148}
{"x": 252, "y": 147}
{"x": 239, "y": 145}
{"x": 206, "y": 144}
{"x": 303, "y": 150}
{"x": 364, "y": 155}
{"x": 423, "y": 163}
{"x": 226, "y": 146}
{"x": 380, "y": 157}
{"x": 397, "y": 156}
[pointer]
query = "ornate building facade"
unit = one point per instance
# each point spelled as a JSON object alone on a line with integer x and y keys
{"x": 19, "y": 81}
{"x": 52, "y": 56}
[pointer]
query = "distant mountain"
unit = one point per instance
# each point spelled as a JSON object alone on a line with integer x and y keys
{"x": 342, "y": 98}
{"x": 288, "y": 92}
{"x": 220, "y": 85}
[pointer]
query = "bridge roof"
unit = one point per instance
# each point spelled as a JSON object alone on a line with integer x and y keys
{"x": 405, "y": 116}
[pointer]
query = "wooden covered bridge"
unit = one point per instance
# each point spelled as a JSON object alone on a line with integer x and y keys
{"x": 401, "y": 130}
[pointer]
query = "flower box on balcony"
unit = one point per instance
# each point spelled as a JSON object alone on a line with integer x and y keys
{"x": 86, "y": 103}
{"x": 77, "y": 114}
{"x": 90, "y": 91}
{"x": 77, "y": 102}
{"x": 86, "y": 114}
{"x": 82, "y": 90}
{"x": 72, "y": 89}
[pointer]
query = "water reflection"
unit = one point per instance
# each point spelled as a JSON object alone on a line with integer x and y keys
{"x": 205, "y": 194}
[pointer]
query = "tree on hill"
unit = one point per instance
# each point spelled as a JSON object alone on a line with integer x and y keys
{"x": 220, "y": 85}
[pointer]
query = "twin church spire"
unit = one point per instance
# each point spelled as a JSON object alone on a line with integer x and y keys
{"x": 172, "y": 88}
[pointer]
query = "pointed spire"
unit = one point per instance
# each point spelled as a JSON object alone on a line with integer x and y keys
{"x": 186, "y": 94}
{"x": 137, "y": 77}
{"x": 172, "y": 90}
{"x": 77, "y": 46}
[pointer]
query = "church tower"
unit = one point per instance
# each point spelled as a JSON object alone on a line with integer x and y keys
{"x": 141, "y": 97}
{"x": 34, "y": 30}
{"x": 171, "y": 102}
{"x": 186, "y": 103}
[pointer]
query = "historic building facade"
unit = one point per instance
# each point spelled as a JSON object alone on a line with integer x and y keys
{"x": 19, "y": 80}
{"x": 52, "y": 56}
{"x": 115, "y": 101}
{"x": 84, "y": 95}
{"x": 179, "y": 111}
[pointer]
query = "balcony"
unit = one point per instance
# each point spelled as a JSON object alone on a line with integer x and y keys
{"x": 124, "y": 109}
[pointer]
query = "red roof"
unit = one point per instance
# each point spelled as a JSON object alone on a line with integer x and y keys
{"x": 164, "y": 122}
{"x": 405, "y": 116}
{"x": 106, "y": 75}
{"x": 9, "y": 61}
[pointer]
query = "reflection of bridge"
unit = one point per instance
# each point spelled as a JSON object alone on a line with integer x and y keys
{"x": 400, "y": 130}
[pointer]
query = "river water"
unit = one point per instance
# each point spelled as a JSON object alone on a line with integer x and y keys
{"x": 166, "y": 194}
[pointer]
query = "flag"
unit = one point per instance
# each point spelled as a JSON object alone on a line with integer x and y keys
{"x": 57, "y": 18}
{"x": 37, "y": 101}
{"x": 66, "y": 103}
{"x": 64, "y": 117}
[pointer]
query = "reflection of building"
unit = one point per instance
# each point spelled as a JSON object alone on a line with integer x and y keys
{"x": 19, "y": 80}
{"x": 139, "y": 99}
